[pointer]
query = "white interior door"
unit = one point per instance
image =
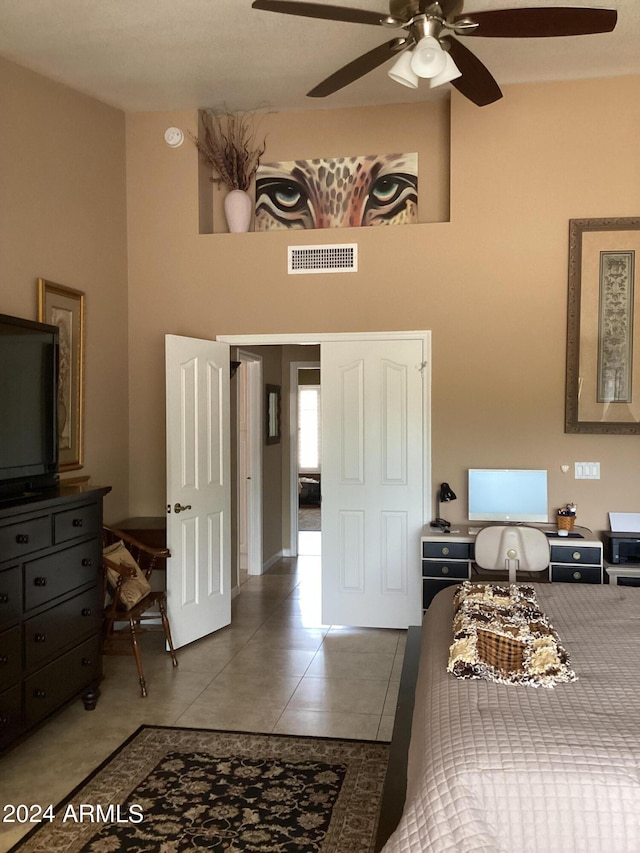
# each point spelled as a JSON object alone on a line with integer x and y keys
{"x": 198, "y": 487}
{"x": 373, "y": 455}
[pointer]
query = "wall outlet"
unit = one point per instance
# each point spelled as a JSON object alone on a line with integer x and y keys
{"x": 587, "y": 471}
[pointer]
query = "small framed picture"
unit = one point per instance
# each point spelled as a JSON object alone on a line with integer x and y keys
{"x": 64, "y": 307}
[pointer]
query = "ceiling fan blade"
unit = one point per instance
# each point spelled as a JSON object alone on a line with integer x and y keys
{"x": 542, "y": 22}
{"x": 477, "y": 82}
{"x": 318, "y": 10}
{"x": 358, "y": 68}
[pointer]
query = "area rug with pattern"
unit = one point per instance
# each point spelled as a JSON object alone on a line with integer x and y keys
{"x": 167, "y": 790}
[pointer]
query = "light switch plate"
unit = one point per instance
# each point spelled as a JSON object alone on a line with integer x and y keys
{"x": 587, "y": 470}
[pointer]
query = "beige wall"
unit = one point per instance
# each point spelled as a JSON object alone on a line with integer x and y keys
{"x": 63, "y": 218}
{"x": 491, "y": 283}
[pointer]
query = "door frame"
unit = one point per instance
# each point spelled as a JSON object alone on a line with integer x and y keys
{"x": 322, "y": 337}
{"x": 253, "y": 374}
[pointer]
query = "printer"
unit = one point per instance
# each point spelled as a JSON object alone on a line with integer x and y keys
{"x": 620, "y": 548}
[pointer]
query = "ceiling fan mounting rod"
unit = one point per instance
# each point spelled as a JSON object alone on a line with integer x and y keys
{"x": 425, "y": 25}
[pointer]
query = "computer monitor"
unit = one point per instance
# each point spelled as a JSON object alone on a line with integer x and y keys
{"x": 512, "y": 495}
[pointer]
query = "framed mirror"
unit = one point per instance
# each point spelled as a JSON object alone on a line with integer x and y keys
{"x": 272, "y": 407}
{"x": 603, "y": 364}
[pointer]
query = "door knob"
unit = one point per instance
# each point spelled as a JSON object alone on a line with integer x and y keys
{"x": 180, "y": 508}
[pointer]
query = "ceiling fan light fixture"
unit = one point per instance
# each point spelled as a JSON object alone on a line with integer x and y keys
{"x": 451, "y": 72}
{"x": 428, "y": 58}
{"x": 401, "y": 71}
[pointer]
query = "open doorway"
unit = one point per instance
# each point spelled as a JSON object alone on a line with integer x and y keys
{"x": 309, "y": 460}
{"x": 306, "y": 457}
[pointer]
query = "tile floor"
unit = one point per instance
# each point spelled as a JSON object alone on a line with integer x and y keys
{"x": 276, "y": 668}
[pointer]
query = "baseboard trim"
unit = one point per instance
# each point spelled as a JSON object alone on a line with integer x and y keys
{"x": 272, "y": 561}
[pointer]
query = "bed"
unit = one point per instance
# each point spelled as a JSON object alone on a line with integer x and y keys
{"x": 512, "y": 768}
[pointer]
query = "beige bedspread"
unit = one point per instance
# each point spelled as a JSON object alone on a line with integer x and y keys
{"x": 510, "y": 769}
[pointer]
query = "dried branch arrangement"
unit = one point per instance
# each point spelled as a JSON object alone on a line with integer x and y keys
{"x": 228, "y": 142}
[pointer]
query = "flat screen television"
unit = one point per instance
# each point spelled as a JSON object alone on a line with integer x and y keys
{"x": 28, "y": 407}
{"x": 512, "y": 495}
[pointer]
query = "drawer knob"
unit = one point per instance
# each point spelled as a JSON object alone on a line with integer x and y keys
{"x": 22, "y": 538}
{"x": 39, "y": 581}
{"x": 39, "y": 638}
{"x": 87, "y": 611}
{"x": 77, "y": 522}
{"x": 4, "y": 598}
{"x": 4, "y": 720}
{"x": 87, "y": 561}
{"x": 40, "y": 694}
{"x": 576, "y": 555}
{"x": 4, "y": 659}
{"x": 577, "y": 575}
{"x": 445, "y": 550}
{"x": 87, "y": 662}
{"x": 445, "y": 570}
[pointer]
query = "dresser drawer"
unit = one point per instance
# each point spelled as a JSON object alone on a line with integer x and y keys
{"x": 444, "y": 569}
{"x": 50, "y": 687}
{"x": 10, "y": 657}
{"x": 575, "y": 574}
{"x": 10, "y": 595}
{"x": 47, "y": 634}
{"x": 575, "y": 554}
{"x": 448, "y": 550}
{"x": 73, "y": 523}
{"x": 52, "y": 576}
{"x": 24, "y": 537}
{"x": 10, "y": 715}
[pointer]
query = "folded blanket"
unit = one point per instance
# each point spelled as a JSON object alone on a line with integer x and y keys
{"x": 501, "y": 634}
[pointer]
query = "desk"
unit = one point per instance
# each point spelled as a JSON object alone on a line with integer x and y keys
{"x": 448, "y": 558}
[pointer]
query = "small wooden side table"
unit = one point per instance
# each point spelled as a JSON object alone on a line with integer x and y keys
{"x": 150, "y": 530}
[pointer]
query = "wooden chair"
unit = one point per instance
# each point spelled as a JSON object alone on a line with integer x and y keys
{"x": 121, "y": 641}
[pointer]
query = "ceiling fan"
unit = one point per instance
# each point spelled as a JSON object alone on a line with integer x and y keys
{"x": 430, "y": 49}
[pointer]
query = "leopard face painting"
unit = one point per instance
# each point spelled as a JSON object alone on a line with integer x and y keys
{"x": 341, "y": 192}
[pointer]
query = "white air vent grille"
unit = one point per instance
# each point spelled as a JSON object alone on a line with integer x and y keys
{"x": 341, "y": 257}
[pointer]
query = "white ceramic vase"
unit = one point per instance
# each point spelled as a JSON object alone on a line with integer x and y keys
{"x": 237, "y": 210}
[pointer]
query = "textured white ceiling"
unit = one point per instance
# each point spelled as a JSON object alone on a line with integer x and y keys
{"x": 185, "y": 54}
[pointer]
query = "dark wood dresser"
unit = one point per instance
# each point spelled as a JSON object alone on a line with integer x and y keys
{"x": 50, "y": 606}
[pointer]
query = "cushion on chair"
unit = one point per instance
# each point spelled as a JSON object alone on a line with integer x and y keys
{"x": 133, "y": 588}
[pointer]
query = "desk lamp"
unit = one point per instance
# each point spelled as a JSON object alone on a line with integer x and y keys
{"x": 444, "y": 495}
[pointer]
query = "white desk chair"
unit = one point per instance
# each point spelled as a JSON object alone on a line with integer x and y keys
{"x": 511, "y": 548}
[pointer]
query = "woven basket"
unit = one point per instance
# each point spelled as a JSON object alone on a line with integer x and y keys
{"x": 566, "y": 522}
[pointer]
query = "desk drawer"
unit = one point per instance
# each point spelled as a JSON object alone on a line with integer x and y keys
{"x": 445, "y": 569}
{"x": 53, "y": 685}
{"x": 10, "y": 595}
{"x": 10, "y": 657}
{"x": 448, "y": 550}
{"x": 430, "y": 588}
{"x": 575, "y": 554}
{"x": 73, "y": 523}
{"x": 48, "y": 633}
{"x": 575, "y": 574}
{"x": 52, "y": 576}
{"x": 24, "y": 537}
